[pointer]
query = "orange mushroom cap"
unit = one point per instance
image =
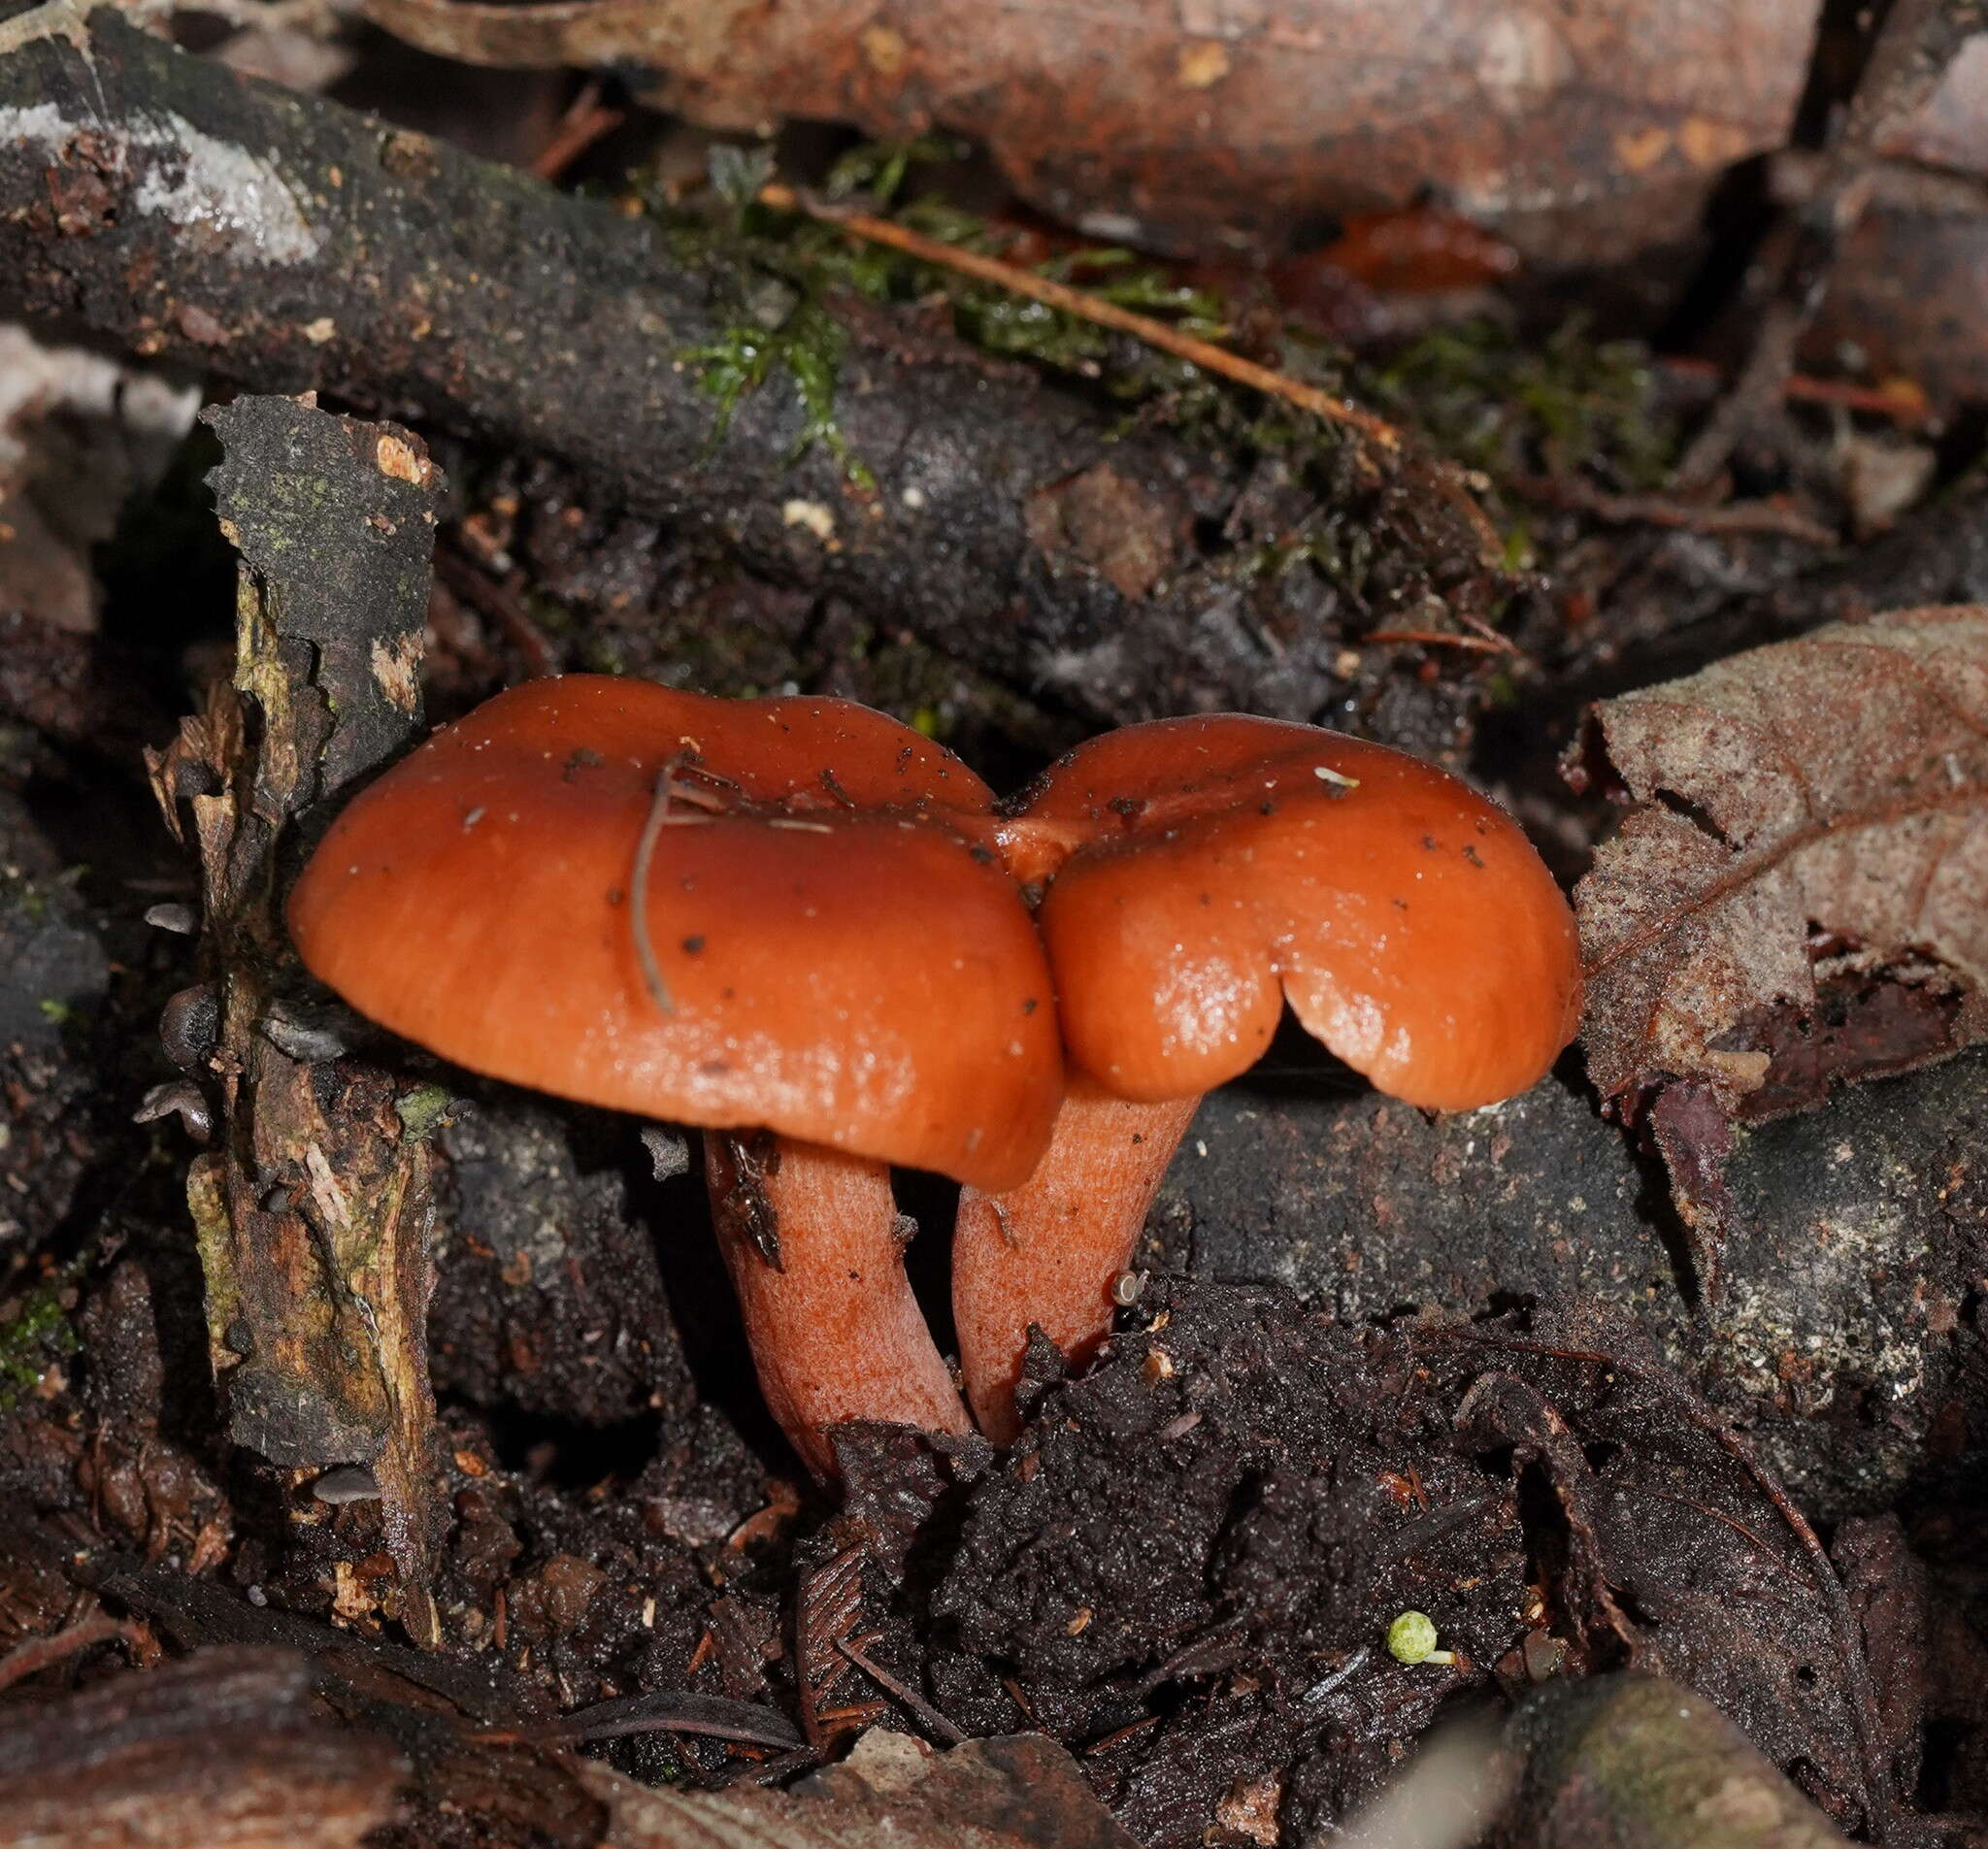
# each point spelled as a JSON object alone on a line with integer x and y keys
{"x": 1204, "y": 870}
{"x": 842, "y": 960}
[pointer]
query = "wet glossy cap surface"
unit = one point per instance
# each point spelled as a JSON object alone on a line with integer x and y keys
{"x": 1195, "y": 872}
{"x": 846, "y": 960}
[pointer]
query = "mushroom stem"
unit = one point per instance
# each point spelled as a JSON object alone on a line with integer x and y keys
{"x": 811, "y": 1238}
{"x": 1048, "y": 1252}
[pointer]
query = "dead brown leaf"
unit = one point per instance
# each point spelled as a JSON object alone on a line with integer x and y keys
{"x": 1810, "y": 839}
{"x": 1208, "y": 124}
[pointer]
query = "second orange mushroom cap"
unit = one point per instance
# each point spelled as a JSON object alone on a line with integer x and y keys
{"x": 1195, "y": 872}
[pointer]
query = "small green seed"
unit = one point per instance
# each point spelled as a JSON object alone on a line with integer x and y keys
{"x": 1411, "y": 1638}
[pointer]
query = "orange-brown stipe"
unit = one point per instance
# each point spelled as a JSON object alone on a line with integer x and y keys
{"x": 1049, "y": 1251}
{"x": 833, "y": 953}
{"x": 834, "y": 1326}
{"x": 1198, "y": 874}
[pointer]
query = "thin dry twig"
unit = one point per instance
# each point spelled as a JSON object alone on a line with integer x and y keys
{"x": 1492, "y": 644}
{"x": 499, "y": 599}
{"x": 1901, "y": 400}
{"x": 1657, "y": 509}
{"x": 44, "y": 1653}
{"x": 1090, "y": 308}
{"x": 663, "y": 1711}
{"x": 907, "y": 1697}
{"x": 584, "y": 123}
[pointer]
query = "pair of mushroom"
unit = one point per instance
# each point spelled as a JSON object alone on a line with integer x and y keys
{"x": 815, "y": 933}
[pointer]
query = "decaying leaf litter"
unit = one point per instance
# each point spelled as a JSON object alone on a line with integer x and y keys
{"x": 1185, "y": 1571}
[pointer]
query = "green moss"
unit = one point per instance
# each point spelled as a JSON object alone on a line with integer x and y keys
{"x": 1554, "y": 407}
{"x": 34, "y": 1337}
{"x": 806, "y": 347}
{"x": 421, "y": 1112}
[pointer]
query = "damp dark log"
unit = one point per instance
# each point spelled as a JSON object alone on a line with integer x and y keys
{"x": 1848, "y": 1328}
{"x": 156, "y": 201}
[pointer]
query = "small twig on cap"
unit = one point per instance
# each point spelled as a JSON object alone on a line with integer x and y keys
{"x": 638, "y": 888}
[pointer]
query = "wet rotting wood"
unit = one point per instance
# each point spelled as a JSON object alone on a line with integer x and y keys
{"x": 313, "y": 1210}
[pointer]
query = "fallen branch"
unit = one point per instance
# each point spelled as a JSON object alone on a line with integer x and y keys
{"x": 281, "y": 243}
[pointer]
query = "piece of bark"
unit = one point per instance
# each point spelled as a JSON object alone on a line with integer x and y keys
{"x": 1206, "y": 128}
{"x": 225, "y": 1749}
{"x": 1845, "y": 1331}
{"x": 281, "y": 243}
{"x": 1636, "y": 1762}
{"x": 988, "y": 1793}
{"x": 314, "y": 1213}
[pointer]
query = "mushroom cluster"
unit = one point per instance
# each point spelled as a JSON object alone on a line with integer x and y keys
{"x": 810, "y": 932}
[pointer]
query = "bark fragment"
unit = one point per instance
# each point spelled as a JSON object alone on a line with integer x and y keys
{"x": 314, "y": 1213}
